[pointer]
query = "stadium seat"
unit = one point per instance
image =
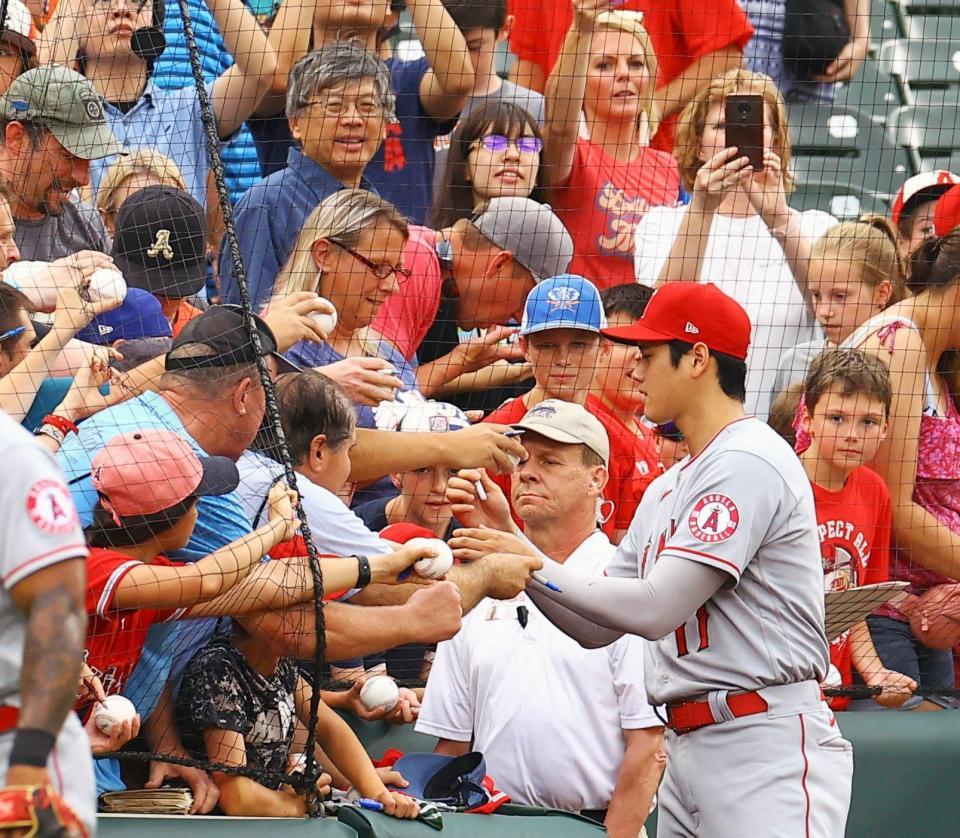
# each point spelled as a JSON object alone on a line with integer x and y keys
{"x": 835, "y": 144}
{"x": 928, "y": 72}
{"x": 919, "y": 7}
{"x": 885, "y": 22}
{"x": 931, "y": 28}
{"x": 872, "y": 92}
{"x": 929, "y": 134}
{"x": 842, "y": 201}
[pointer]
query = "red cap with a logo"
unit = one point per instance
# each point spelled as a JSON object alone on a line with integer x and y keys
{"x": 692, "y": 312}
{"x": 946, "y": 214}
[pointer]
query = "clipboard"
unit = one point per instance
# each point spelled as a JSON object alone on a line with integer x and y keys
{"x": 844, "y": 609}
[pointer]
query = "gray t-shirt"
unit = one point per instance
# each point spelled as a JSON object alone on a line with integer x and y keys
{"x": 743, "y": 505}
{"x": 78, "y": 227}
{"x": 39, "y": 527}
{"x": 794, "y": 364}
{"x": 528, "y": 99}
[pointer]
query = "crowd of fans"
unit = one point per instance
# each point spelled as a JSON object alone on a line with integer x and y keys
{"x": 432, "y": 253}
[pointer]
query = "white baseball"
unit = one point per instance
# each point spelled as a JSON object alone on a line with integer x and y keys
{"x": 438, "y": 564}
{"x": 326, "y": 322}
{"x": 106, "y": 284}
{"x": 113, "y": 711}
{"x": 378, "y": 692}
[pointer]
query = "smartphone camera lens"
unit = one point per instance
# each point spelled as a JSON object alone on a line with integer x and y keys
{"x": 744, "y": 108}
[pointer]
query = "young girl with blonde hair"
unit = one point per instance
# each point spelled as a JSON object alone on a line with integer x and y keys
{"x": 856, "y": 270}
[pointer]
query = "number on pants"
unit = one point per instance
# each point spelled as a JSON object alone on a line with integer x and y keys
{"x": 681, "y": 633}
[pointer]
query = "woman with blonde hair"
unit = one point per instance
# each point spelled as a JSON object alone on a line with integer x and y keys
{"x": 598, "y": 163}
{"x": 350, "y": 251}
{"x": 138, "y": 170}
{"x": 738, "y": 232}
{"x": 857, "y": 269}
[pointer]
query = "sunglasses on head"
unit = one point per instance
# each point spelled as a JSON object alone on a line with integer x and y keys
{"x": 670, "y": 431}
{"x": 498, "y": 142}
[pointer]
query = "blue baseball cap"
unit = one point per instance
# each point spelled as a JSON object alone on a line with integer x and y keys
{"x": 138, "y": 316}
{"x": 564, "y": 301}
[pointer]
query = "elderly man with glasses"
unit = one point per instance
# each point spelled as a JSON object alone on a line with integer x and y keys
{"x": 339, "y": 101}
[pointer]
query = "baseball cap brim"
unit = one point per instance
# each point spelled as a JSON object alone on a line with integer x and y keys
{"x": 220, "y": 477}
{"x": 637, "y": 333}
{"x": 175, "y": 283}
{"x": 88, "y": 142}
{"x": 284, "y": 364}
{"x": 548, "y": 431}
{"x": 559, "y": 324}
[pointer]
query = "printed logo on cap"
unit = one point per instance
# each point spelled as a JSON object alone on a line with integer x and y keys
{"x": 439, "y": 424}
{"x": 563, "y": 298}
{"x": 690, "y": 329}
{"x": 93, "y": 108}
{"x": 161, "y": 246}
{"x": 545, "y": 411}
{"x": 51, "y": 508}
{"x": 714, "y": 518}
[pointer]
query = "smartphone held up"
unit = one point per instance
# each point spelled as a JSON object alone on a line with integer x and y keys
{"x": 743, "y": 121}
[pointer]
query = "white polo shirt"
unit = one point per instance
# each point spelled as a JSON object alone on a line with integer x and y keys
{"x": 546, "y": 713}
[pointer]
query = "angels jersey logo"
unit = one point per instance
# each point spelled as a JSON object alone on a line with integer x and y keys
{"x": 51, "y": 508}
{"x": 714, "y": 518}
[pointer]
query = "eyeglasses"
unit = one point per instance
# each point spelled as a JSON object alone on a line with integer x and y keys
{"x": 137, "y": 5}
{"x": 367, "y": 106}
{"x": 381, "y": 271}
{"x": 498, "y": 142}
{"x": 16, "y": 331}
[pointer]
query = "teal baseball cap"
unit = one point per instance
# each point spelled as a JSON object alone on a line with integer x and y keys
{"x": 65, "y": 103}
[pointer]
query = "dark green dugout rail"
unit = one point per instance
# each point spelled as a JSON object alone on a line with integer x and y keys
{"x": 907, "y": 767}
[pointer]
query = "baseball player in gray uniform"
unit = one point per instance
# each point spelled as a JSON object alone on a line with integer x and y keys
{"x": 42, "y": 627}
{"x": 721, "y": 571}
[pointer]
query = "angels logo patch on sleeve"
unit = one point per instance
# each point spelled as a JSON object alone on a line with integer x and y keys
{"x": 51, "y": 508}
{"x": 714, "y": 518}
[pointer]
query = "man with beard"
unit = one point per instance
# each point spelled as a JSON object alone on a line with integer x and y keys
{"x": 51, "y": 127}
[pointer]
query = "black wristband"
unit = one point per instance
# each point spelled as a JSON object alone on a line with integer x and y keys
{"x": 32, "y": 746}
{"x": 363, "y": 571}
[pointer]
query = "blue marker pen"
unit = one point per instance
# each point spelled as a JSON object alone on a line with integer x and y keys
{"x": 545, "y": 582}
{"x": 372, "y": 805}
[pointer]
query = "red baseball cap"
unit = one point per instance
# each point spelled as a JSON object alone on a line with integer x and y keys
{"x": 946, "y": 214}
{"x": 145, "y": 472}
{"x": 931, "y": 185}
{"x": 693, "y": 312}
{"x": 404, "y": 531}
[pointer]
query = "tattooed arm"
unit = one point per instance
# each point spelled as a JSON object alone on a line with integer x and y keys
{"x": 52, "y": 599}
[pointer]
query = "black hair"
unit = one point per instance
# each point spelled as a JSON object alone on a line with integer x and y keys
{"x": 12, "y": 303}
{"x": 731, "y": 372}
{"x": 477, "y": 14}
{"x": 453, "y": 197}
{"x": 935, "y": 263}
{"x": 310, "y": 404}
{"x": 133, "y": 529}
{"x": 630, "y": 298}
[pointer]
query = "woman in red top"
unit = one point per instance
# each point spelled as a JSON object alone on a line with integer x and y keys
{"x": 606, "y": 176}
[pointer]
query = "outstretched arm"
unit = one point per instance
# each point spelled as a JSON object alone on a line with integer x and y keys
{"x": 651, "y": 607}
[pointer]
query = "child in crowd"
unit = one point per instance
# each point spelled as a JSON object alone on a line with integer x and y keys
{"x": 915, "y": 205}
{"x": 847, "y": 404}
{"x": 421, "y": 496}
{"x": 856, "y": 270}
{"x": 671, "y": 445}
{"x": 238, "y": 705}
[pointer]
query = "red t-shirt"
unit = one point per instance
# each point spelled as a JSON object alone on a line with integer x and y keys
{"x": 681, "y": 32}
{"x": 407, "y": 316}
{"x": 602, "y": 203}
{"x": 854, "y": 525}
{"x": 116, "y": 638}
{"x": 633, "y": 463}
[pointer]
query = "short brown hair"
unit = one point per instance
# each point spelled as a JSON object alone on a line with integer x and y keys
{"x": 784, "y": 410}
{"x": 693, "y": 121}
{"x": 854, "y": 371}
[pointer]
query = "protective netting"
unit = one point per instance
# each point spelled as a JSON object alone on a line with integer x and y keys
{"x": 349, "y": 247}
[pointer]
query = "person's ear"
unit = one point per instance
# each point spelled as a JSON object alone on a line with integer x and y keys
{"x": 598, "y": 479}
{"x": 881, "y": 294}
{"x": 522, "y": 343}
{"x": 107, "y": 219}
{"x": 884, "y": 428}
{"x": 320, "y": 249}
{"x": 503, "y": 259}
{"x": 806, "y": 420}
{"x": 240, "y": 393}
{"x": 317, "y": 452}
{"x": 506, "y": 29}
{"x": 699, "y": 359}
{"x": 395, "y": 480}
